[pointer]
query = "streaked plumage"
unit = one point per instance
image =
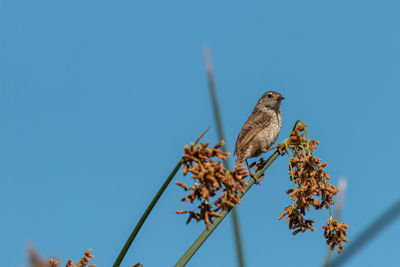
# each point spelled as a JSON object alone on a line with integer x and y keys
{"x": 261, "y": 129}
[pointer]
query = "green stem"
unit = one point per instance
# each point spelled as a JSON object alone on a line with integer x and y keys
{"x": 144, "y": 216}
{"x": 290, "y": 165}
{"x": 295, "y": 124}
{"x": 305, "y": 131}
{"x": 308, "y": 140}
{"x": 206, "y": 233}
{"x": 330, "y": 211}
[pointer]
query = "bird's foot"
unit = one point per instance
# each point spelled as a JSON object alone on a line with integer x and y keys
{"x": 280, "y": 149}
{"x": 252, "y": 174}
{"x": 256, "y": 181}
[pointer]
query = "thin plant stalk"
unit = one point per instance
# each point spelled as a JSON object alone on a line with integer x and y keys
{"x": 135, "y": 231}
{"x": 220, "y": 134}
{"x": 206, "y": 233}
{"x": 144, "y": 216}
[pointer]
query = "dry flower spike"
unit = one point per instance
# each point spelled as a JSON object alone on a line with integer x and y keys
{"x": 214, "y": 187}
{"x": 37, "y": 261}
{"x": 335, "y": 234}
{"x": 310, "y": 187}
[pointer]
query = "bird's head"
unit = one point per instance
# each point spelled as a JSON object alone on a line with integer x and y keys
{"x": 270, "y": 100}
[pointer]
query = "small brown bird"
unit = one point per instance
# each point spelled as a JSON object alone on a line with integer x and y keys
{"x": 261, "y": 128}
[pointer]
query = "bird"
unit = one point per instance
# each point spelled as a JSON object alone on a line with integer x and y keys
{"x": 261, "y": 129}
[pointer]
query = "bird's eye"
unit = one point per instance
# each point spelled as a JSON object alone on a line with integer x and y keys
{"x": 269, "y": 95}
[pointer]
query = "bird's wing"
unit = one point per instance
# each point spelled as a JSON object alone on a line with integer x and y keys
{"x": 254, "y": 124}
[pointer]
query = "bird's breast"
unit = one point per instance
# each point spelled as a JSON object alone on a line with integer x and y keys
{"x": 269, "y": 134}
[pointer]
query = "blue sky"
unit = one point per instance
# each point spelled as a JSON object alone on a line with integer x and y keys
{"x": 98, "y": 98}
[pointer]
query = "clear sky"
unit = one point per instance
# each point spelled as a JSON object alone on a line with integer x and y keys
{"x": 98, "y": 98}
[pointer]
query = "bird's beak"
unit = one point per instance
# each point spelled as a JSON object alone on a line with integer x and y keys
{"x": 281, "y": 98}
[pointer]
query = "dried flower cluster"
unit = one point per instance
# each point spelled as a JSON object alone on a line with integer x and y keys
{"x": 215, "y": 187}
{"x": 37, "y": 261}
{"x": 335, "y": 234}
{"x": 310, "y": 186}
{"x": 83, "y": 262}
